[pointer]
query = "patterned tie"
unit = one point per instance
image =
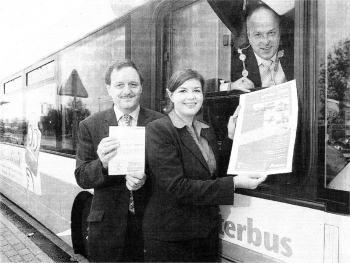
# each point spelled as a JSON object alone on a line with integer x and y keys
{"x": 265, "y": 73}
{"x": 127, "y": 119}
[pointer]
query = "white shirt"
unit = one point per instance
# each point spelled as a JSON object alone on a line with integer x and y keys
{"x": 119, "y": 114}
{"x": 278, "y": 77}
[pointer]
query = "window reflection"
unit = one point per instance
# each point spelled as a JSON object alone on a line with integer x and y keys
{"x": 12, "y": 124}
{"x": 195, "y": 31}
{"x": 337, "y": 102}
{"x": 90, "y": 61}
{"x": 73, "y": 111}
{"x": 40, "y": 108}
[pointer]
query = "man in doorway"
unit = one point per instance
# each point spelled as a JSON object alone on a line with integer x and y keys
{"x": 261, "y": 63}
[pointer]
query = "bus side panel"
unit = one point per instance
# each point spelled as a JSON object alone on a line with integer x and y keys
{"x": 337, "y": 238}
{"x": 58, "y": 189}
{"x": 282, "y": 231}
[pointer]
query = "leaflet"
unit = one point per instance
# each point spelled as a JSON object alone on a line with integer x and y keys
{"x": 265, "y": 131}
{"x": 130, "y": 157}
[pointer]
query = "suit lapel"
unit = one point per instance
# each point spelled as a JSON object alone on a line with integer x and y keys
{"x": 287, "y": 62}
{"x": 253, "y": 68}
{"x": 211, "y": 139}
{"x": 110, "y": 120}
{"x": 191, "y": 145}
{"x": 142, "y": 120}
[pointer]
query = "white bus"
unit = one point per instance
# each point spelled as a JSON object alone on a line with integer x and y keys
{"x": 303, "y": 216}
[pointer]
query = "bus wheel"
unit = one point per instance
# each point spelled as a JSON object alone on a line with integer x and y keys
{"x": 79, "y": 225}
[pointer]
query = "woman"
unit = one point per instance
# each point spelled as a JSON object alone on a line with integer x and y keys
{"x": 182, "y": 218}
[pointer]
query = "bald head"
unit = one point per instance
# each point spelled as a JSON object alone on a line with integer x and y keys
{"x": 263, "y": 30}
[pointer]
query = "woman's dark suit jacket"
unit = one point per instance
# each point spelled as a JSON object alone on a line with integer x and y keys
{"x": 185, "y": 198}
{"x": 110, "y": 204}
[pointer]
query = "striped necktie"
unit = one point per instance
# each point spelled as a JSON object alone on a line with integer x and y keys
{"x": 265, "y": 73}
{"x": 127, "y": 119}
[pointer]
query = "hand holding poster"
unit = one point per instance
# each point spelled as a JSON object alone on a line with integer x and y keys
{"x": 265, "y": 131}
{"x": 130, "y": 156}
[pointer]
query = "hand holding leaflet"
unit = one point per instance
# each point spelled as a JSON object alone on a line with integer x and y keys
{"x": 130, "y": 157}
{"x": 135, "y": 181}
{"x": 231, "y": 126}
{"x": 107, "y": 149}
{"x": 249, "y": 181}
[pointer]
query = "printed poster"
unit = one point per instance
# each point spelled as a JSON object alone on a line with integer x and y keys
{"x": 21, "y": 165}
{"x": 31, "y": 156}
{"x": 265, "y": 131}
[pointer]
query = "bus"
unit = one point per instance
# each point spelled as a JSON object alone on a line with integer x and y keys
{"x": 302, "y": 216}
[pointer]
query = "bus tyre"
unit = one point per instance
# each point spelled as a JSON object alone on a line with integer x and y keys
{"x": 79, "y": 225}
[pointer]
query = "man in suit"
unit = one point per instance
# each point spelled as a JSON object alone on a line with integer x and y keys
{"x": 265, "y": 64}
{"x": 118, "y": 204}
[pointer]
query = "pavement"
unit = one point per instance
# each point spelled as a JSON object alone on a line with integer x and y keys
{"x": 16, "y": 246}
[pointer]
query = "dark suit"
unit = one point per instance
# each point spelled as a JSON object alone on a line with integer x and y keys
{"x": 287, "y": 62}
{"x": 251, "y": 63}
{"x": 185, "y": 198}
{"x": 109, "y": 209}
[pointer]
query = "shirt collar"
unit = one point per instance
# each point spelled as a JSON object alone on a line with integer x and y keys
{"x": 261, "y": 60}
{"x": 134, "y": 114}
{"x": 179, "y": 123}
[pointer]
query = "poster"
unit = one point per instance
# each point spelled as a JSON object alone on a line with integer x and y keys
{"x": 31, "y": 155}
{"x": 265, "y": 131}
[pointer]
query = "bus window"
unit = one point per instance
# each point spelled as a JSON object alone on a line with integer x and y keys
{"x": 42, "y": 73}
{"x": 13, "y": 85}
{"x": 193, "y": 45}
{"x": 192, "y": 38}
{"x": 335, "y": 94}
{"x": 205, "y": 36}
{"x": 82, "y": 91}
{"x": 41, "y": 109}
{"x": 12, "y": 122}
{"x": 89, "y": 60}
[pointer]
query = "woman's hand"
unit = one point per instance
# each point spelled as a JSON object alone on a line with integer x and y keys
{"x": 231, "y": 125}
{"x": 249, "y": 181}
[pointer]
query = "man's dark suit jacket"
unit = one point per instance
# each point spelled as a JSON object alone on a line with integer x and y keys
{"x": 185, "y": 198}
{"x": 109, "y": 209}
{"x": 287, "y": 62}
